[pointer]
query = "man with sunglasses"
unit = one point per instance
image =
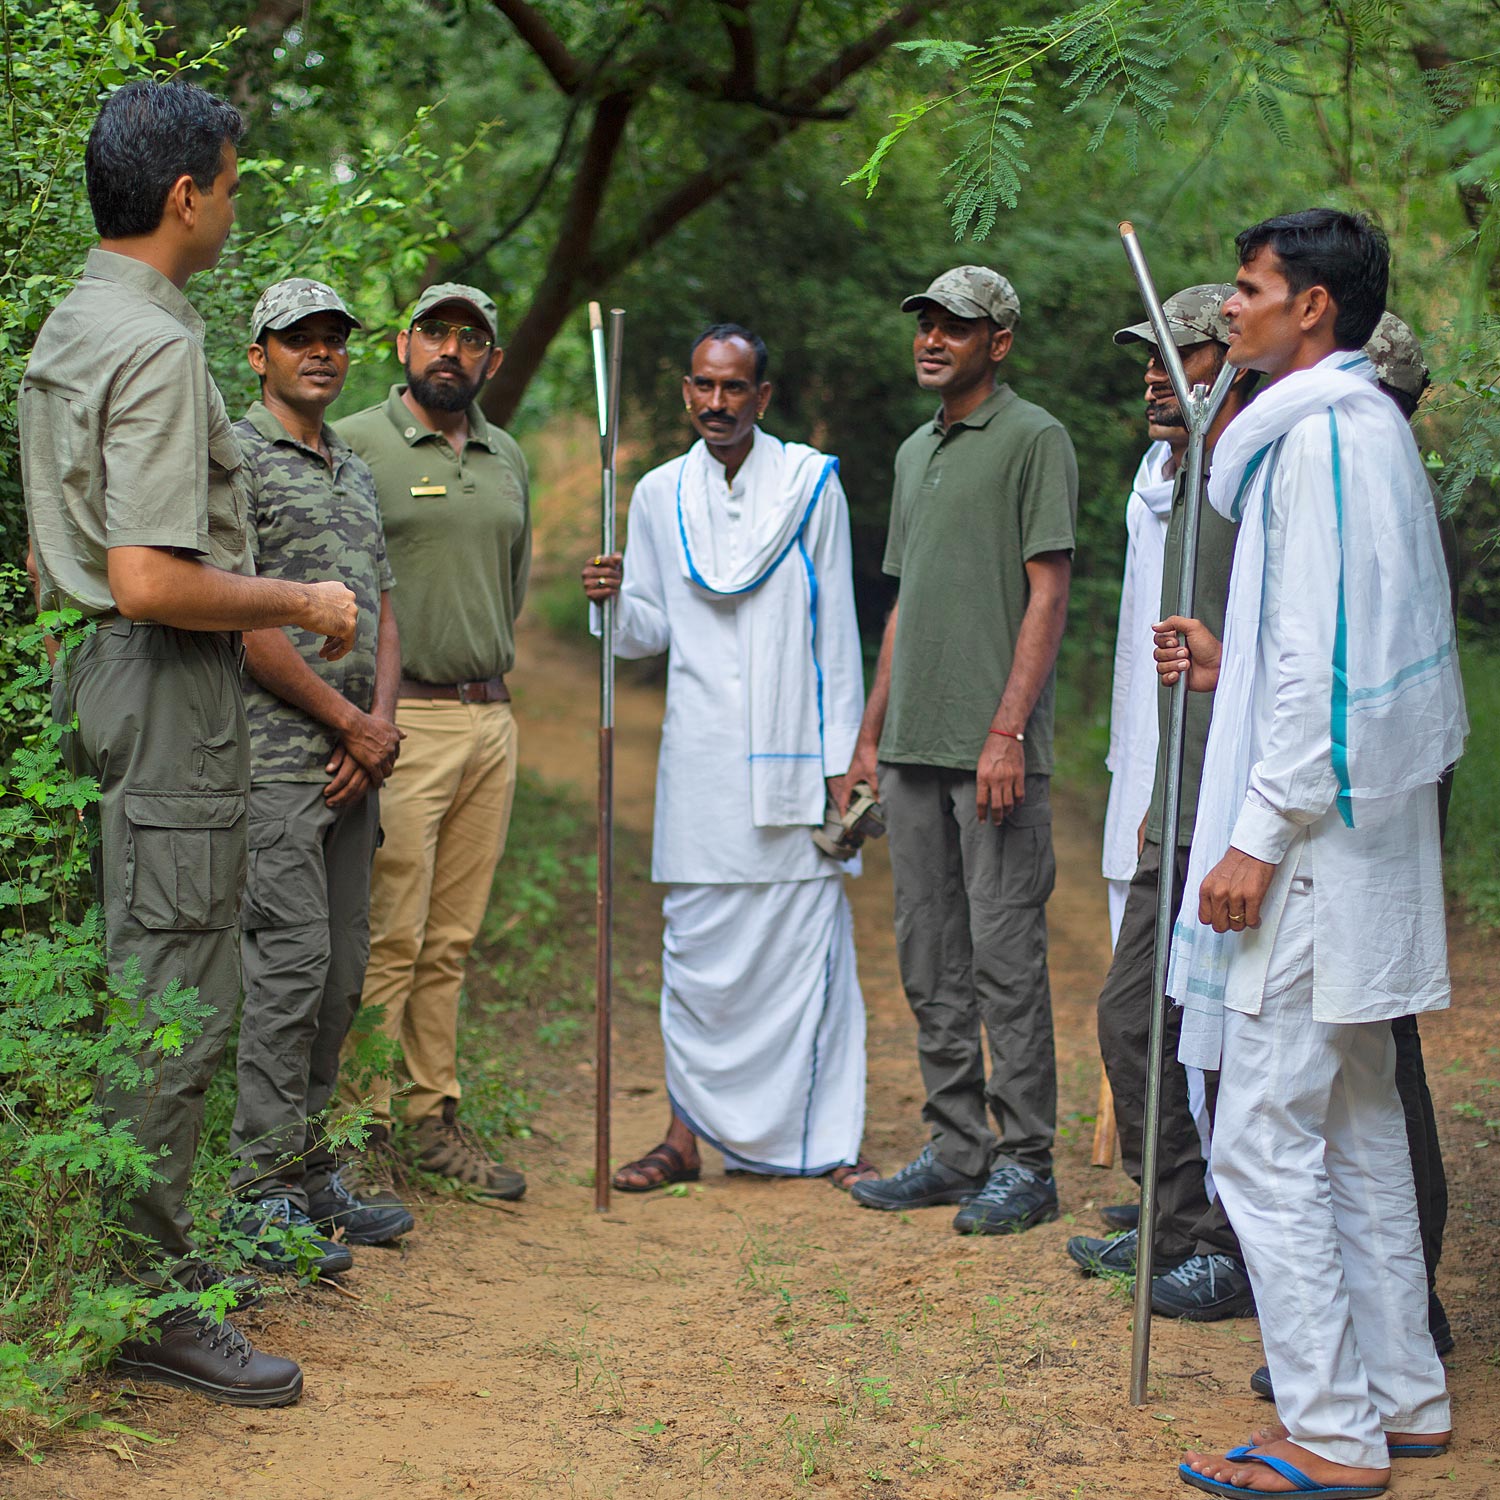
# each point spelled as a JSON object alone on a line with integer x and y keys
{"x": 455, "y": 504}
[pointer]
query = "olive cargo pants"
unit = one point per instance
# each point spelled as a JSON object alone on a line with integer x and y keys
{"x": 161, "y": 725}
{"x": 305, "y": 941}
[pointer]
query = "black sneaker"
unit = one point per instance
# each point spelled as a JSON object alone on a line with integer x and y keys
{"x": 1114, "y": 1257}
{"x": 1260, "y": 1383}
{"x": 270, "y": 1223}
{"x": 1438, "y": 1325}
{"x": 922, "y": 1183}
{"x": 187, "y": 1348}
{"x": 1121, "y": 1215}
{"x": 333, "y": 1207}
{"x": 1014, "y": 1199}
{"x": 1204, "y": 1289}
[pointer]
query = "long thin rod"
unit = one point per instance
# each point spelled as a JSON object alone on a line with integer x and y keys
{"x": 607, "y": 391}
{"x": 1199, "y": 407}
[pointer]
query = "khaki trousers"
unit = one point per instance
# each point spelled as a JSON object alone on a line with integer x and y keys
{"x": 444, "y": 812}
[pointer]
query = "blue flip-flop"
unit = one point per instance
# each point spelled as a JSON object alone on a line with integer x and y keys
{"x": 1416, "y": 1450}
{"x": 1302, "y": 1483}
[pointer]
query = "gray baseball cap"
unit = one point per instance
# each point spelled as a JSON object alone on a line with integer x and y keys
{"x": 292, "y": 300}
{"x": 971, "y": 292}
{"x": 1397, "y": 356}
{"x": 1194, "y": 315}
{"x": 456, "y": 291}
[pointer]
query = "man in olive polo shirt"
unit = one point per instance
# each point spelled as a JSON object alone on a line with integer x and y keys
{"x": 136, "y": 505}
{"x": 960, "y": 716}
{"x": 323, "y": 738}
{"x": 455, "y": 503}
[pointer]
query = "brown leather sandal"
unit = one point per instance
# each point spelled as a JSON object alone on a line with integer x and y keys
{"x": 845, "y": 1176}
{"x": 665, "y": 1161}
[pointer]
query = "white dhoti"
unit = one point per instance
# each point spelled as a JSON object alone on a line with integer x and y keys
{"x": 1311, "y": 1158}
{"x": 764, "y": 1024}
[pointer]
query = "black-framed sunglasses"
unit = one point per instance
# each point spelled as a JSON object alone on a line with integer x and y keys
{"x": 434, "y": 332}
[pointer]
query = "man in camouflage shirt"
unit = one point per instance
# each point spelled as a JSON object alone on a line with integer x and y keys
{"x": 323, "y": 738}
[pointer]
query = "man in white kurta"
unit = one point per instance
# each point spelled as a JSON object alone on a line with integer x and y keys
{"x": 1315, "y": 862}
{"x": 738, "y": 566}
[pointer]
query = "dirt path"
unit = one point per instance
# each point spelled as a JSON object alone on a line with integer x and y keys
{"x": 753, "y": 1339}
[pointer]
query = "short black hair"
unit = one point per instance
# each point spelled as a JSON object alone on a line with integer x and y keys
{"x": 148, "y": 135}
{"x": 717, "y": 333}
{"x": 1346, "y": 253}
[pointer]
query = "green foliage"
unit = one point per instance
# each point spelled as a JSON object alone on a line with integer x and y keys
{"x": 1473, "y": 832}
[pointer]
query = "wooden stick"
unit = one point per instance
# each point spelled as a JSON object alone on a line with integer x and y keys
{"x": 1105, "y": 1130}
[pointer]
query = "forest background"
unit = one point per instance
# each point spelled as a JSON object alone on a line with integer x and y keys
{"x": 689, "y": 161}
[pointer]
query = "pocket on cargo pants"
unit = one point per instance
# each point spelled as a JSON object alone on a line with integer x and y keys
{"x": 184, "y": 859}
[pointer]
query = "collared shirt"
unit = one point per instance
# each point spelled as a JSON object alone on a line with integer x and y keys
{"x": 973, "y": 503}
{"x": 311, "y": 518}
{"x": 125, "y": 441}
{"x": 458, "y": 530}
{"x": 1210, "y": 595}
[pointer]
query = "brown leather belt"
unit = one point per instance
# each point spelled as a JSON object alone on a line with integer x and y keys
{"x": 491, "y": 690}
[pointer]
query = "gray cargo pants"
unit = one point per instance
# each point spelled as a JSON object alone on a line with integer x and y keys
{"x": 305, "y": 943}
{"x": 161, "y": 725}
{"x": 971, "y": 934}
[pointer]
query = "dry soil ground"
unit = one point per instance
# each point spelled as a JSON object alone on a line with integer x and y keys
{"x": 747, "y": 1338}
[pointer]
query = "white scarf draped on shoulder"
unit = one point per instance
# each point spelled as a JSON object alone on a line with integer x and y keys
{"x": 771, "y": 576}
{"x": 1396, "y": 710}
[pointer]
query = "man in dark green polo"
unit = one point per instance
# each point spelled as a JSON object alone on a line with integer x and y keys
{"x": 136, "y": 500}
{"x": 323, "y": 738}
{"x": 960, "y": 717}
{"x": 455, "y": 503}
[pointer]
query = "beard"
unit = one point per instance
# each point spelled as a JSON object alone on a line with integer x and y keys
{"x": 1164, "y": 414}
{"x": 438, "y": 395}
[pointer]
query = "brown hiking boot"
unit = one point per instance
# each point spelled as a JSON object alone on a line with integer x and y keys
{"x": 452, "y": 1150}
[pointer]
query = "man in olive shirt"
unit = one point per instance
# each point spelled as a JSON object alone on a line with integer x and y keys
{"x": 1200, "y": 1272}
{"x": 981, "y": 537}
{"x": 455, "y": 504}
{"x": 323, "y": 738}
{"x": 136, "y": 504}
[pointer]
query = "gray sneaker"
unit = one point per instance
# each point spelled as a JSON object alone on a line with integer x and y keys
{"x": 1204, "y": 1289}
{"x": 1113, "y": 1257}
{"x": 1014, "y": 1199}
{"x": 333, "y": 1207}
{"x": 919, "y": 1184}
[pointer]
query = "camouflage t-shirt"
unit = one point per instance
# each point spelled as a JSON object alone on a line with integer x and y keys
{"x": 309, "y": 520}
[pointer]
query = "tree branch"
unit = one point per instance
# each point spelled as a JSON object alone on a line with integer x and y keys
{"x": 740, "y": 82}
{"x": 533, "y": 29}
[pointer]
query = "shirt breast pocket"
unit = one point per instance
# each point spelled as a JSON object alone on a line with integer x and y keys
{"x": 228, "y": 504}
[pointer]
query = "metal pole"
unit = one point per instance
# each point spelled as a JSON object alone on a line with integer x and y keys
{"x": 607, "y": 392}
{"x": 1199, "y": 407}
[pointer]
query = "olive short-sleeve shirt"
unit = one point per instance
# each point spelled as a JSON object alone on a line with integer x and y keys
{"x": 973, "y": 503}
{"x": 311, "y": 518}
{"x": 125, "y": 441}
{"x": 458, "y": 530}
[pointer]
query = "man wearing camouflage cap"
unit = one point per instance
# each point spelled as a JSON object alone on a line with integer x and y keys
{"x": 322, "y": 740}
{"x": 960, "y": 719}
{"x": 455, "y": 502}
{"x": 1200, "y": 1272}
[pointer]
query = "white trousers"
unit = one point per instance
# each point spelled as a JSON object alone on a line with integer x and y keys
{"x": 1311, "y": 1159}
{"x": 763, "y": 1023}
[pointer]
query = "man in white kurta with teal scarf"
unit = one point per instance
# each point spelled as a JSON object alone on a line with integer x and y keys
{"x": 1315, "y": 865}
{"x": 738, "y": 565}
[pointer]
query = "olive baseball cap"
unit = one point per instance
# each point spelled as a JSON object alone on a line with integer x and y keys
{"x": 971, "y": 292}
{"x": 1397, "y": 356}
{"x": 292, "y": 300}
{"x": 456, "y": 291}
{"x": 1194, "y": 315}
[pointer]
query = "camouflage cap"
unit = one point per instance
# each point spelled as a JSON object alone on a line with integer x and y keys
{"x": 290, "y": 301}
{"x": 1194, "y": 315}
{"x": 456, "y": 291}
{"x": 971, "y": 292}
{"x": 1397, "y": 356}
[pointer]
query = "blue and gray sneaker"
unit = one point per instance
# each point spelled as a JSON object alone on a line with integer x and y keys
{"x": 1112, "y": 1257}
{"x": 919, "y": 1184}
{"x": 1204, "y": 1289}
{"x": 1014, "y": 1199}
{"x": 333, "y": 1207}
{"x": 283, "y": 1238}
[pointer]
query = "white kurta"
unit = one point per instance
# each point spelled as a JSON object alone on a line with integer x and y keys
{"x": 762, "y": 1018}
{"x": 1133, "y": 700}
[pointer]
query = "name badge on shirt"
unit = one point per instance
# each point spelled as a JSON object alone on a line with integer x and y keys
{"x": 419, "y": 490}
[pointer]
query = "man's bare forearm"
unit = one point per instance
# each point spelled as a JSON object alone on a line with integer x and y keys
{"x": 1037, "y": 642}
{"x": 387, "y": 663}
{"x": 276, "y": 664}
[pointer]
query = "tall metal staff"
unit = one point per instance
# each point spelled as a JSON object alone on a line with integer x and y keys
{"x": 1199, "y": 407}
{"x": 607, "y": 390}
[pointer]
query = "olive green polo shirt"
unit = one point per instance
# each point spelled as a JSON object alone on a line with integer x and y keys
{"x": 125, "y": 441}
{"x": 973, "y": 503}
{"x": 458, "y": 535}
{"x": 1210, "y": 597}
{"x": 311, "y": 518}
